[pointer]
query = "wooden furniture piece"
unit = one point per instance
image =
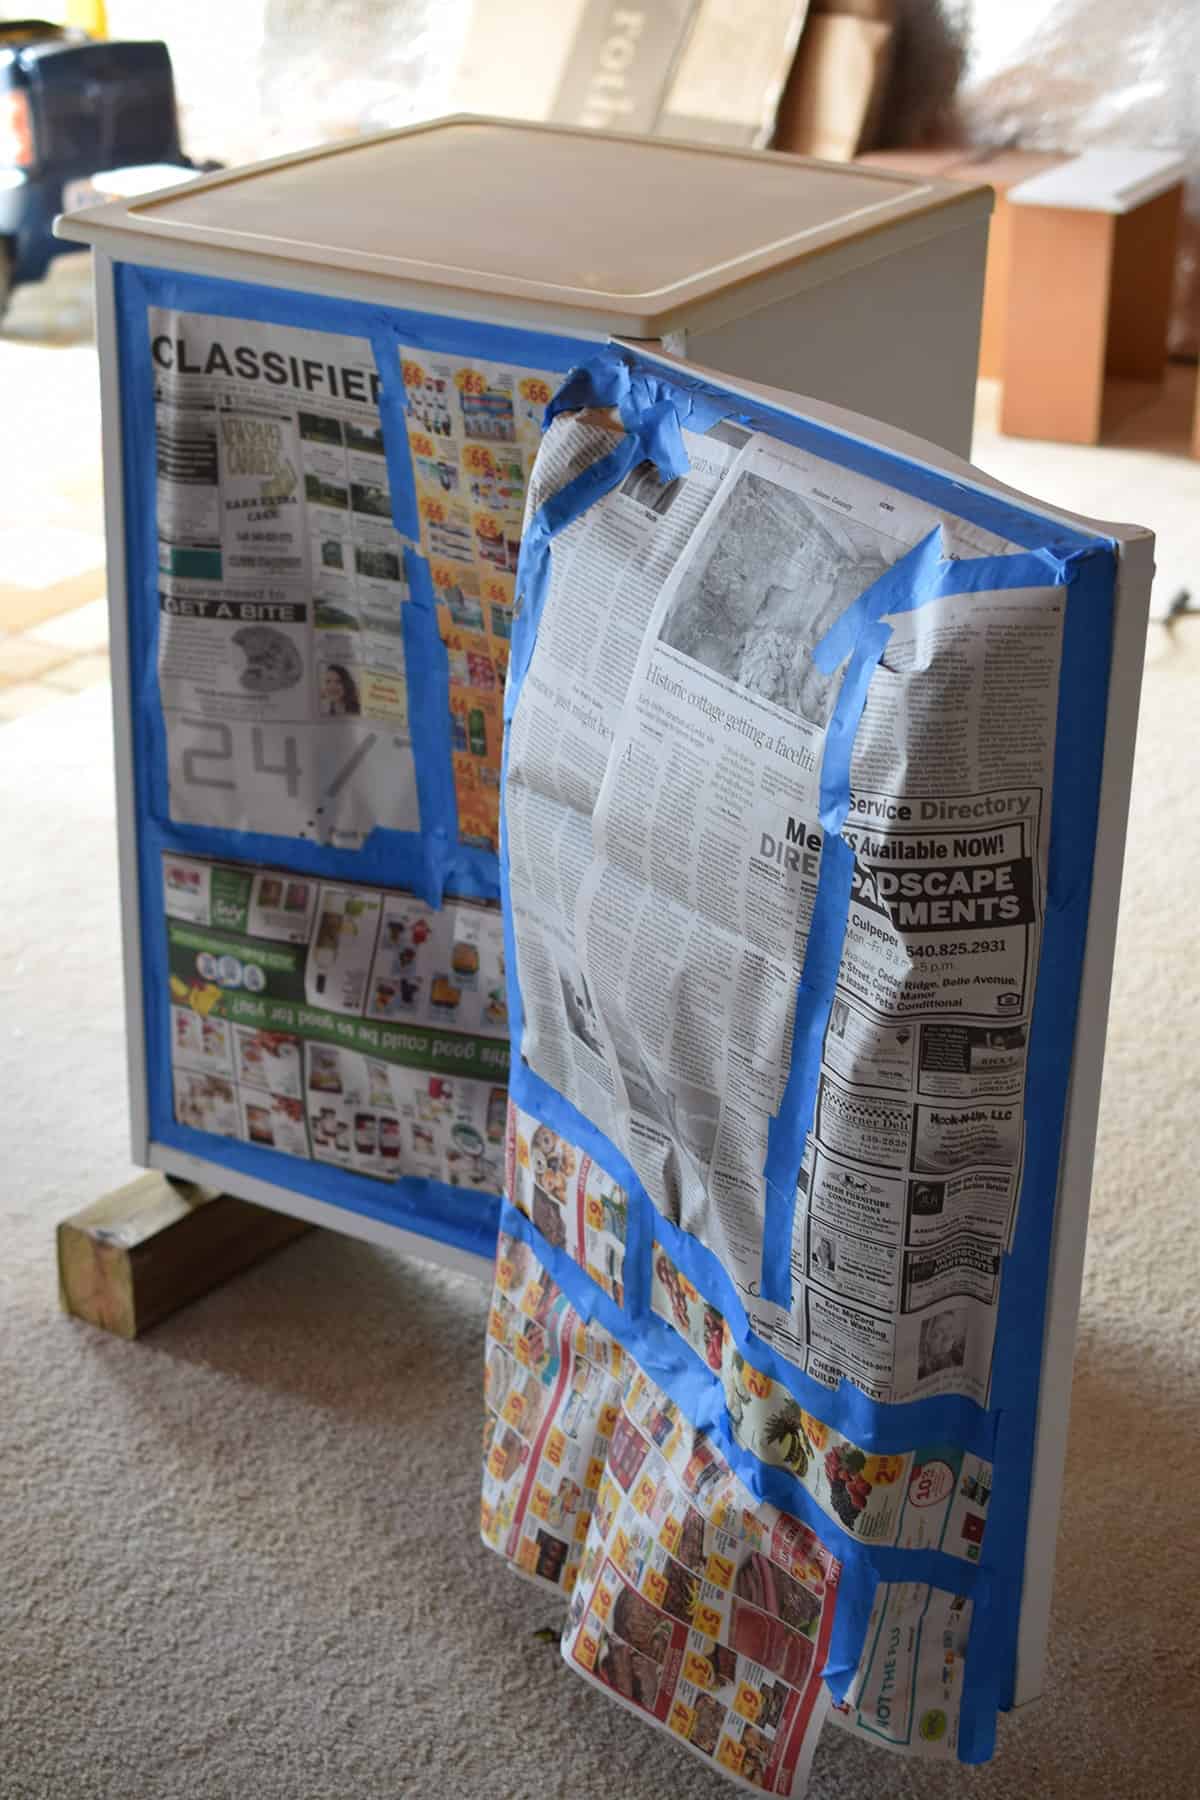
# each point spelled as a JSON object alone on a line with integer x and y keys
{"x": 1003, "y": 170}
{"x": 1092, "y": 258}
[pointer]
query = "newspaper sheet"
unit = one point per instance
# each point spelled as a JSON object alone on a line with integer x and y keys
{"x": 907, "y": 1690}
{"x": 281, "y": 583}
{"x": 343, "y": 1024}
{"x": 700, "y": 1607}
{"x": 665, "y": 851}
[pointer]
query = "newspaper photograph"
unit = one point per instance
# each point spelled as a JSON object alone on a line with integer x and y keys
{"x": 665, "y": 850}
{"x": 281, "y": 660}
{"x": 346, "y": 1025}
{"x": 473, "y": 430}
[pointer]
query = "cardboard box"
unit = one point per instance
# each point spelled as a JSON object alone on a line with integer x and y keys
{"x": 835, "y": 91}
{"x": 710, "y": 71}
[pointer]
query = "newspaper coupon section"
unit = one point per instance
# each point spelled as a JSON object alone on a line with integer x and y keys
{"x": 473, "y": 428}
{"x": 783, "y": 721}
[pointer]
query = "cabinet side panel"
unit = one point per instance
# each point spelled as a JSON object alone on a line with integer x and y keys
{"x": 1135, "y": 573}
{"x": 897, "y": 339}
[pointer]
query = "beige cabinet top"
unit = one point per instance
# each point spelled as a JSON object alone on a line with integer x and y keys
{"x": 634, "y": 233}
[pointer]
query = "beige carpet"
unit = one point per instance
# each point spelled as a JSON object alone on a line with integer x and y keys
{"x": 239, "y": 1559}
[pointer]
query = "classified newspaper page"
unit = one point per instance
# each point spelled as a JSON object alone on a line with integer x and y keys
{"x": 281, "y": 582}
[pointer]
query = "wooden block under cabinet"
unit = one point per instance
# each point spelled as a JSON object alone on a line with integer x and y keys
{"x": 150, "y": 1247}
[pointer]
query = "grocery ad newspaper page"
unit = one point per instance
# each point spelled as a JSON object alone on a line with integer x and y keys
{"x": 473, "y": 433}
{"x": 343, "y": 1024}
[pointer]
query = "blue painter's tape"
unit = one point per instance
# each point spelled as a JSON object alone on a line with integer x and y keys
{"x": 1078, "y": 760}
{"x": 851, "y": 1621}
{"x": 985, "y": 507}
{"x": 789, "y": 1128}
{"x": 646, "y": 403}
{"x": 914, "y": 572}
{"x": 428, "y": 711}
{"x": 393, "y": 415}
{"x": 896, "y": 589}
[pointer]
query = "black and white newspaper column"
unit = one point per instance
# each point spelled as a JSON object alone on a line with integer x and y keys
{"x": 665, "y": 852}
{"x": 281, "y": 583}
{"x": 912, "y": 1169}
{"x": 608, "y": 571}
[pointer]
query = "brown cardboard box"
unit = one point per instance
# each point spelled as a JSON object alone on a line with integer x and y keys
{"x": 835, "y": 86}
{"x": 709, "y": 71}
{"x": 835, "y": 90}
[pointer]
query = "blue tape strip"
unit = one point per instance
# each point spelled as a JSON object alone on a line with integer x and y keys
{"x": 1020, "y": 1329}
{"x": 643, "y": 399}
{"x": 984, "y": 507}
{"x": 899, "y": 588}
{"x": 790, "y": 1126}
{"x": 428, "y": 670}
{"x": 1084, "y": 567}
